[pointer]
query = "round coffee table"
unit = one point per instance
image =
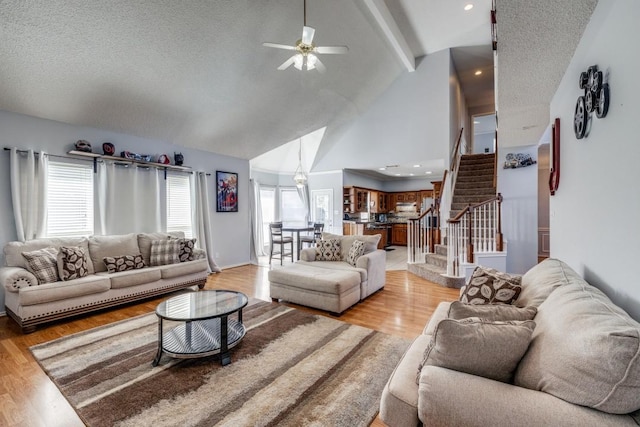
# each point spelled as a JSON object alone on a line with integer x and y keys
{"x": 205, "y": 328}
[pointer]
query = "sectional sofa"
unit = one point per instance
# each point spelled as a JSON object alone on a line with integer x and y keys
{"x": 581, "y": 364}
{"x": 90, "y": 285}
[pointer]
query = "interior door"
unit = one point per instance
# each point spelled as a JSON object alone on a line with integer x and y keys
{"x": 322, "y": 208}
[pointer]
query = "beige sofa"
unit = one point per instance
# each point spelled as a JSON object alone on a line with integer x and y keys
{"x": 30, "y": 303}
{"x": 333, "y": 286}
{"x": 582, "y": 366}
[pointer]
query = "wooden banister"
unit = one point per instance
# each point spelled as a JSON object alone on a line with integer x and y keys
{"x": 456, "y": 151}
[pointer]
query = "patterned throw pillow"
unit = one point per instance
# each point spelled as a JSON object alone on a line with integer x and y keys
{"x": 42, "y": 263}
{"x": 72, "y": 263}
{"x": 490, "y": 286}
{"x": 479, "y": 347}
{"x": 355, "y": 251}
{"x": 328, "y": 250}
{"x": 186, "y": 249}
{"x": 124, "y": 263}
{"x": 165, "y": 252}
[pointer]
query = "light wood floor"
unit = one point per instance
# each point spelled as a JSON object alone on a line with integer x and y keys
{"x": 29, "y": 398}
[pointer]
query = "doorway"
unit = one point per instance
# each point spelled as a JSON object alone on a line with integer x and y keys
{"x": 322, "y": 207}
{"x": 484, "y": 134}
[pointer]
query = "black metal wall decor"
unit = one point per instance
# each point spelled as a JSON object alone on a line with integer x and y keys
{"x": 595, "y": 99}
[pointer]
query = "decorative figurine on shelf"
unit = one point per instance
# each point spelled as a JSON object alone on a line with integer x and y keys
{"x": 83, "y": 145}
{"x": 108, "y": 148}
{"x": 179, "y": 158}
{"x": 135, "y": 156}
{"x": 164, "y": 159}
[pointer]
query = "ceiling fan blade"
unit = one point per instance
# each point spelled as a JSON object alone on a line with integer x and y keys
{"x": 307, "y": 35}
{"x": 320, "y": 66}
{"x": 331, "y": 49}
{"x": 286, "y": 64}
{"x": 279, "y": 46}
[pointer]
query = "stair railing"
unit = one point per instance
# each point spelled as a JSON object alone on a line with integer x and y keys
{"x": 421, "y": 233}
{"x": 448, "y": 184}
{"x": 476, "y": 229}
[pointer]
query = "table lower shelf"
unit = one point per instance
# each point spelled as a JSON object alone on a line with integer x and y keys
{"x": 200, "y": 338}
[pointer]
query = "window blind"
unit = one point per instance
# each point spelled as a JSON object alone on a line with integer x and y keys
{"x": 69, "y": 199}
{"x": 179, "y": 204}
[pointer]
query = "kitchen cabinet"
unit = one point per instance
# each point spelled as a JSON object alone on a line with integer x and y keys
{"x": 374, "y": 202}
{"x": 351, "y": 228}
{"x": 348, "y": 200}
{"x": 383, "y": 202}
{"x": 399, "y": 234}
{"x": 411, "y": 196}
{"x": 362, "y": 200}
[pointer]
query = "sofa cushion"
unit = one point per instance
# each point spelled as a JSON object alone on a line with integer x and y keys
{"x": 13, "y": 250}
{"x": 123, "y": 263}
{"x": 316, "y": 279}
{"x": 370, "y": 241}
{"x": 328, "y": 250}
{"x": 338, "y": 266}
{"x": 491, "y": 312}
{"x": 184, "y": 268}
{"x": 585, "y": 350}
{"x": 440, "y": 313}
{"x": 144, "y": 243}
{"x": 63, "y": 290}
{"x": 72, "y": 262}
{"x": 542, "y": 279}
{"x": 117, "y": 245}
{"x": 125, "y": 279}
{"x": 355, "y": 252}
{"x": 490, "y": 286}
{"x": 164, "y": 252}
{"x": 186, "y": 251}
{"x": 478, "y": 347}
{"x": 42, "y": 264}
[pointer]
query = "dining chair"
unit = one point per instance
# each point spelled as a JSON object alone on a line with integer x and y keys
{"x": 277, "y": 238}
{"x": 318, "y": 227}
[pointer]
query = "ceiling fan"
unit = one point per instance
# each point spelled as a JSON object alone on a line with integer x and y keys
{"x": 307, "y": 52}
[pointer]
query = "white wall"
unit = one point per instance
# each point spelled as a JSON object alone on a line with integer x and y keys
{"x": 482, "y": 141}
{"x": 231, "y": 236}
{"x": 519, "y": 189}
{"x": 594, "y": 226}
{"x": 408, "y": 123}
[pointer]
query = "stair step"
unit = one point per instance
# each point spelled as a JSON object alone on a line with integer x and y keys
{"x": 436, "y": 260}
{"x": 474, "y": 191}
{"x": 434, "y": 274}
{"x": 441, "y": 249}
{"x": 474, "y": 184}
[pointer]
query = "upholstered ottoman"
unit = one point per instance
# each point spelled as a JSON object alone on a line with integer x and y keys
{"x": 330, "y": 290}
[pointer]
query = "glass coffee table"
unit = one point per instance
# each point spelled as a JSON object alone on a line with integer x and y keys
{"x": 204, "y": 327}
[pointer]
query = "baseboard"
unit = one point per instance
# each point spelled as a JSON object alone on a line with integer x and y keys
{"x": 3, "y": 313}
{"x": 226, "y": 267}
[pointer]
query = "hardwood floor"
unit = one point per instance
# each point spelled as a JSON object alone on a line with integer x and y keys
{"x": 29, "y": 398}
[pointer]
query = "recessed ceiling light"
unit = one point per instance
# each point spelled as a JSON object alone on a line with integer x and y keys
{"x": 428, "y": 172}
{"x": 410, "y": 174}
{"x": 468, "y": 7}
{"x": 382, "y": 169}
{"x": 397, "y": 174}
{"x": 475, "y": 122}
{"x": 478, "y": 72}
{"x": 416, "y": 166}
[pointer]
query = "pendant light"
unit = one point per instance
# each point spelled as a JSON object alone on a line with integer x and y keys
{"x": 300, "y": 177}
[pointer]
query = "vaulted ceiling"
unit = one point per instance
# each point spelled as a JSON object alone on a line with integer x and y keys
{"x": 196, "y": 74}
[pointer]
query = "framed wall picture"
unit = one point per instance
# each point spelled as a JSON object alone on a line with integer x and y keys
{"x": 226, "y": 191}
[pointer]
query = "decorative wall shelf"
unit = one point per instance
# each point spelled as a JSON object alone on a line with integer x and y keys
{"x": 96, "y": 156}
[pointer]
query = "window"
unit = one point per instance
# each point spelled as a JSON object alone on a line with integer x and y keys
{"x": 292, "y": 209}
{"x": 69, "y": 199}
{"x": 268, "y": 205}
{"x": 179, "y": 204}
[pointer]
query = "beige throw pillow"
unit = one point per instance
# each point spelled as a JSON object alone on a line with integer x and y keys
{"x": 479, "y": 347}
{"x": 164, "y": 252}
{"x": 490, "y": 286}
{"x": 492, "y": 312}
{"x": 43, "y": 264}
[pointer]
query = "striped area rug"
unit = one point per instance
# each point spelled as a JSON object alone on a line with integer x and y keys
{"x": 291, "y": 369}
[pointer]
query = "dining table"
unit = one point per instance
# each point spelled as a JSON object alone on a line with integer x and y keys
{"x": 297, "y": 229}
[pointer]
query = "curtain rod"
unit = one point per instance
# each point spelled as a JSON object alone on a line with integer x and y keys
{"x": 94, "y": 159}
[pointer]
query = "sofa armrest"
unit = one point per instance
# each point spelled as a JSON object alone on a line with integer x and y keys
{"x": 447, "y": 397}
{"x": 199, "y": 254}
{"x": 375, "y": 264}
{"x": 14, "y": 278}
{"x": 308, "y": 254}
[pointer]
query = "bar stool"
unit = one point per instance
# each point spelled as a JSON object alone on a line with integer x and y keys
{"x": 277, "y": 238}
{"x": 317, "y": 234}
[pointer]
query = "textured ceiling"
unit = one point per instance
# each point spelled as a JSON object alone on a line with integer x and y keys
{"x": 196, "y": 74}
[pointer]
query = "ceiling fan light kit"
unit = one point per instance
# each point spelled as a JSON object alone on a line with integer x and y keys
{"x": 307, "y": 53}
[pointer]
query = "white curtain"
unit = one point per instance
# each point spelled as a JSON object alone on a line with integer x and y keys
{"x": 29, "y": 193}
{"x": 257, "y": 236}
{"x": 202, "y": 218}
{"x": 303, "y": 193}
{"x": 128, "y": 199}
